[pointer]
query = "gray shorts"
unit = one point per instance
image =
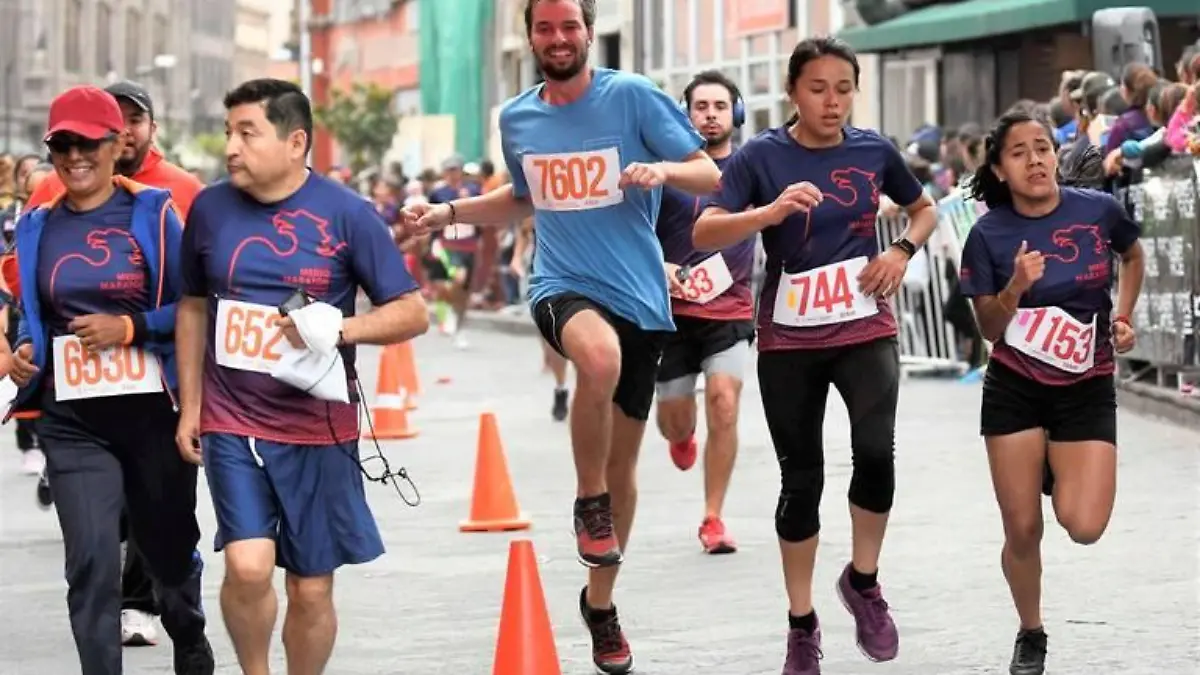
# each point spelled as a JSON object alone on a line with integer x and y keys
{"x": 731, "y": 361}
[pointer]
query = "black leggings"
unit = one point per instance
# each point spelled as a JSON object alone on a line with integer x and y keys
{"x": 795, "y": 385}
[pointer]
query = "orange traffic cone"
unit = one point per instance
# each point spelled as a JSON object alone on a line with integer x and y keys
{"x": 493, "y": 504}
{"x": 389, "y": 416}
{"x": 410, "y": 384}
{"x": 525, "y": 644}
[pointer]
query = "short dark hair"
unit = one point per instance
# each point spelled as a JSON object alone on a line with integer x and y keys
{"x": 711, "y": 77}
{"x": 587, "y": 7}
{"x": 287, "y": 108}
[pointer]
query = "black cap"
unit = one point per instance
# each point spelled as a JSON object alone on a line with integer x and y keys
{"x": 134, "y": 93}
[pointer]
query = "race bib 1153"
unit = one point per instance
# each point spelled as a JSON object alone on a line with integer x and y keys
{"x": 574, "y": 181}
{"x": 708, "y": 280}
{"x": 117, "y": 371}
{"x": 247, "y": 336}
{"x": 823, "y": 295}
{"x": 1053, "y": 337}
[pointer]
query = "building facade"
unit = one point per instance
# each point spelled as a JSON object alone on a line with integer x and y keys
{"x": 211, "y": 43}
{"x": 750, "y": 41}
{"x": 252, "y": 39}
{"x": 50, "y": 45}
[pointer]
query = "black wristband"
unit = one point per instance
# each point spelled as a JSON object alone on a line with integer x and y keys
{"x": 905, "y": 245}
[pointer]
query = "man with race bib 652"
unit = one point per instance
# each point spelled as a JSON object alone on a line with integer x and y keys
{"x": 588, "y": 151}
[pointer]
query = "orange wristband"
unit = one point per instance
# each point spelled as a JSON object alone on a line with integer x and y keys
{"x": 129, "y": 330}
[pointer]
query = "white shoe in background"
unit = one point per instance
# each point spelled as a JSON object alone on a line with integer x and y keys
{"x": 33, "y": 462}
{"x": 138, "y": 629}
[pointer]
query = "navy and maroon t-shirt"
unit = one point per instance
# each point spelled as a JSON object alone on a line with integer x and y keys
{"x": 323, "y": 239}
{"x": 1077, "y": 241}
{"x": 460, "y": 237}
{"x": 851, "y": 176}
{"x": 676, "y": 217}
{"x": 89, "y": 263}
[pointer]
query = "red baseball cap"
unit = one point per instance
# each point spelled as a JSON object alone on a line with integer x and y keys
{"x": 87, "y": 111}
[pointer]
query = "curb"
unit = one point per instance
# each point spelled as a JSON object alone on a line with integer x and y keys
{"x": 1160, "y": 402}
{"x": 1140, "y": 398}
{"x": 513, "y": 324}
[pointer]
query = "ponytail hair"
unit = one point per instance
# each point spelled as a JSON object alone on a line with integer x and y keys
{"x": 985, "y": 185}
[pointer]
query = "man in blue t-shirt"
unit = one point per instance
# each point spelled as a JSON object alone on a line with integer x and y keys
{"x": 282, "y": 465}
{"x": 589, "y": 151}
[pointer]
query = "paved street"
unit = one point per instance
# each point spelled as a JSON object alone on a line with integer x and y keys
{"x": 431, "y": 606}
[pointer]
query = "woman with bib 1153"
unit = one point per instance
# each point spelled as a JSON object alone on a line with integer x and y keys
{"x": 812, "y": 188}
{"x": 1039, "y": 269}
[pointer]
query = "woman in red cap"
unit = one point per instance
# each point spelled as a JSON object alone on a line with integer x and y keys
{"x": 98, "y": 275}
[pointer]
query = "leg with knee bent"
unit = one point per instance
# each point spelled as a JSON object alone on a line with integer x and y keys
{"x": 722, "y": 394}
{"x": 591, "y": 344}
{"x": 248, "y": 602}
{"x": 621, "y": 474}
{"x": 676, "y": 414}
{"x": 310, "y": 627}
{"x": 1085, "y": 487}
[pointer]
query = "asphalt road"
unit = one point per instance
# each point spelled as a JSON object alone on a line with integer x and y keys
{"x": 1127, "y": 605}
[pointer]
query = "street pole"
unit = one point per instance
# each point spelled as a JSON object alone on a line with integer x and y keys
{"x": 303, "y": 18}
{"x": 8, "y": 72}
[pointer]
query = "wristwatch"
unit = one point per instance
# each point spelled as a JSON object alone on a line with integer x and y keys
{"x": 905, "y": 245}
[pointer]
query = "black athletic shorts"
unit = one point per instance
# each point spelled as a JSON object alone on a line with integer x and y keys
{"x": 435, "y": 269}
{"x": 641, "y": 350}
{"x": 694, "y": 340}
{"x": 1083, "y": 411}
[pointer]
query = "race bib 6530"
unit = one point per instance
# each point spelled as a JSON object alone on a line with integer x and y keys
{"x": 117, "y": 371}
{"x": 574, "y": 181}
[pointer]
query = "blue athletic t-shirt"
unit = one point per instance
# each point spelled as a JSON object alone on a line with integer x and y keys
{"x": 88, "y": 263}
{"x": 247, "y": 258}
{"x": 595, "y": 238}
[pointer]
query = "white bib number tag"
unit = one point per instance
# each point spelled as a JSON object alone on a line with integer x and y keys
{"x": 708, "y": 280}
{"x": 574, "y": 181}
{"x": 1053, "y": 337}
{"x": 458, "y": 231}
{"x": 116, "y": 371}
{"x": 823, "y": 295}
{"x": 247, "y": 337}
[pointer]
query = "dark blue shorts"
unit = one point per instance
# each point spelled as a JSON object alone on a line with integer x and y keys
{"x": 309, "y": 499}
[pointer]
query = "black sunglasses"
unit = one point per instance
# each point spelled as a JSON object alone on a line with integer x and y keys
{"x": 61, "y": 144}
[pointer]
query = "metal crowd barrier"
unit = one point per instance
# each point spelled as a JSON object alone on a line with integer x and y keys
{"x": 1165, "y": 203}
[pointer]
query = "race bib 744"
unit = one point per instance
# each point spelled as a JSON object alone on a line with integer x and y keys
{"x": 823, "y": 295}
{"x": 574, "y": 181}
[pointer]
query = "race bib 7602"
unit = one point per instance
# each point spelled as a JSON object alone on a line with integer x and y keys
{"x": 574, "y": 181}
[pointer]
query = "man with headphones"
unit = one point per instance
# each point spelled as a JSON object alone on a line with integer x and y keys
{"x": 713, "y": 310}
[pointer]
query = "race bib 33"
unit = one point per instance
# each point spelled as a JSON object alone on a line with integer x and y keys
{"x": 708, "y": 280}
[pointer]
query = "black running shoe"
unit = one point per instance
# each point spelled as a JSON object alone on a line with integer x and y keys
{"x": 1029, "y": 654}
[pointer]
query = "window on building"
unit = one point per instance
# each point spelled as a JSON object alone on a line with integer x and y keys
{"x": 706, "y": 33}
{"x": 905, "y": 83}
{"x": 760, "y": 79}
{"x": 654, "y": 33}
{"x": 133, "y": 42}
{"x": 610, "y": 49}
{"x": 104, "y": 25}
{"x": 762, "y": 119}
{"x": 681, "y": 55}
{"x": 73, "y": 58}
{"x": 162, "y": 34}
{"x": 731, "y": 40}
